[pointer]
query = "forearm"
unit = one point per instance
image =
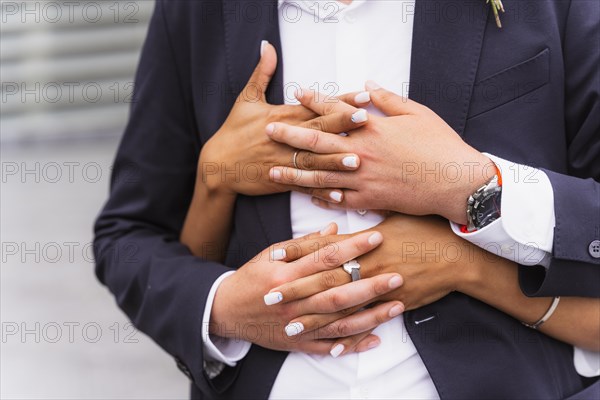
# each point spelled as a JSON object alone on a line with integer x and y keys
{"x": 208, "y": 222}
{"x": 576, "y": 320}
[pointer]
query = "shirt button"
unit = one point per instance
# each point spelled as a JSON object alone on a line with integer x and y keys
{"x": 362, "y": 213}
{"x": 350, "y": 18}
{"x": 359, "y": 392}
{"x": 594, "y": 248}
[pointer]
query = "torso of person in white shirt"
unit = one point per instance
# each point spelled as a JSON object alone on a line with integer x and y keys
{"x": 333, "y": 48}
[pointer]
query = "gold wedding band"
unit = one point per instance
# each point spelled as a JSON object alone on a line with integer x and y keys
{"x": 294, "y": 159}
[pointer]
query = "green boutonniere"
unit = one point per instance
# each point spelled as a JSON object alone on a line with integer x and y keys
{"x": 496, "y": 7}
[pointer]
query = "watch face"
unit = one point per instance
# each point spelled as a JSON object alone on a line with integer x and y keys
{"x": 488, "y": 209}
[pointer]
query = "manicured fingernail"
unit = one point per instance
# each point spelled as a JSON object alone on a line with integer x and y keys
{"x": 275, "y": 174}
{"x": 362, "y": 97}
{"x": 395, "y": 282}
{"x": 335, "y": 196}
{"x": 277, "y": 254}
{"x": 359, "y": 116}
{"x": 293, "y": 329}
{"x": 263, "y": 44}
{"x": 337, "y": 350}
{"x": 375, "y": 238}
{"x": 396, "y": 310}
{"x": 327, "y": 228}
{"x": 350, "y": 161}
{"x": 270, "y": 128}
{"x": 372, "y": 344}
{"x": 372, "y": 85}
{"x": 273, "y": 298}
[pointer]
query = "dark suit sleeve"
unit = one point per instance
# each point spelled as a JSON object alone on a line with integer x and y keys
{"x": 155, "y": 279}
{"x": 573, "y": 271}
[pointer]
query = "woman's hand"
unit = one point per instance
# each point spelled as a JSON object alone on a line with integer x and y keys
{"x": 432, "y": 262}
{"x": 430, "y": 259}
{"x": 236, "y": 160}
{"x": 411, "y": 161}
{"x": 242, "y": 308}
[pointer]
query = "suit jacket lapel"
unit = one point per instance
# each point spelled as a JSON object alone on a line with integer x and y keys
{"x": 242, "y": 41}
{"x": 447, "y": 39}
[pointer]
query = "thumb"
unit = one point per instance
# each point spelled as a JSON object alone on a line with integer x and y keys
{"x": 389, "y": 102}
{"x": 259, "y": 80}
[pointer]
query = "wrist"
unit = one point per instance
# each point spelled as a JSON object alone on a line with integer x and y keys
{"x": 221, "y": 321}
{"x": 481, "y": 270}
{"x": 210, "y": 179}
{"x": 471, "y": 277}
{"x": 475, "y": 174}
{"x": 210, "y": 187}
{"x": 209, "y": 183}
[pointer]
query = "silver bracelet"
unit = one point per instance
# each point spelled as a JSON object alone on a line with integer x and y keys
{"x": 546, "y": 316}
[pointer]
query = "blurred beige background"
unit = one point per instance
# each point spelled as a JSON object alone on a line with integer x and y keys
{"x": 67, "y": 76}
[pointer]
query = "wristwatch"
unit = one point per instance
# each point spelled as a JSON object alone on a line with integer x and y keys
{"x": 483, "y": 206}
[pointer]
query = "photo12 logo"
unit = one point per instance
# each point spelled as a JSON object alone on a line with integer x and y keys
{"x": 54, "y": 12}
{"x": 68, "y": 332}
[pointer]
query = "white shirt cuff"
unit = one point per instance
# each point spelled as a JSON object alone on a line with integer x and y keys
{"x": 587, "y": 363}
{"x": 525, "y": 231}
{"x": 216, "y": 348}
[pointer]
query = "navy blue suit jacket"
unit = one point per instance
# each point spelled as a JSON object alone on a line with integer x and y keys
{"x": 528, "y": 92}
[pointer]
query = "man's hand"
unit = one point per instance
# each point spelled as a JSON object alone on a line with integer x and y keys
{"x": 240, "y": 310}
{"x": 411, "y": 161}
{"x": 237, "y": 158}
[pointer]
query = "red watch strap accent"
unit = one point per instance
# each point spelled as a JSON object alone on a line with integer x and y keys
{"x": 499, "y": 175}
{"x": 463, "y": 229}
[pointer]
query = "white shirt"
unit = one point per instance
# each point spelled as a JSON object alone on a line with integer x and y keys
{"x": 343, "y": 50}
{"x": 332, "y": 48}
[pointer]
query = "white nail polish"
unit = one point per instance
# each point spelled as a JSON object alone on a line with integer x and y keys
{"x": 335, "y": 196}
{"x": 375, "y": 238}
{"x": 337, "y": 350}
{"x": 276, "y": 174}
{"x": 270, "y": 128}
{"x": 350, "y": 161}
{"x": 362, "y": 97}
{"x": 395, "y": 311}
{"x": 372, "y": 85}
{"x": 263, "y": 43}
{"x": 395, "y": 282}
{"x": 359, "y": 116}
{"x": 278, "y": 254}
{"x": 326, "y": 229}
{"x": 373, "y": 344}
{"x": 273, "y": 298}
{"x": 293, "y": 329}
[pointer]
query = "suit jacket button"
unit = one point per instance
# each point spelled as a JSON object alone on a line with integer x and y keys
{"x": 594, "y": 248}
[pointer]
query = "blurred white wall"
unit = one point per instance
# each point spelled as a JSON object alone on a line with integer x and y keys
{"x": 67, "y": 66}
{"x": 67, "y": 71}
{"x": 63, "y": 336}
